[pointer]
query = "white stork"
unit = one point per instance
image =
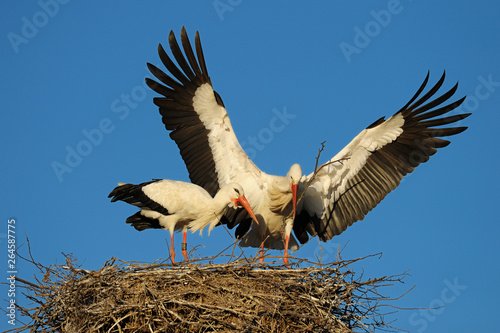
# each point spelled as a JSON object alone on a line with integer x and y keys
{"x": 341, "y": 192}
{"x": 175, "y": 205}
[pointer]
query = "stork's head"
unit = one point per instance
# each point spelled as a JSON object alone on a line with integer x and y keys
{"x": 237, "y": 196}
{"x": 293, "y": 176}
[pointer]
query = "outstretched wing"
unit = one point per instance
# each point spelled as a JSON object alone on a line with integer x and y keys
{"x": 354, "y": 181}
{"x": 196, "y": 117}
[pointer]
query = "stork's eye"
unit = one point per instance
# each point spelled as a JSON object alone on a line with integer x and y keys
{"x": 237, "y": 191}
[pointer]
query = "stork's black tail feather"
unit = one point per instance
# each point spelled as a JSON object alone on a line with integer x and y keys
{"x": 134, "y": 195}
{"x": 141, "y": 222}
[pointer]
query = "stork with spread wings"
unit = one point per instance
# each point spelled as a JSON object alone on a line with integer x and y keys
{"x": 341, "y": 192}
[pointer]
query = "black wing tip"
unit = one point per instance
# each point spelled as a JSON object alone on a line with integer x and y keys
{"x": 184, "y": 32}
{"x": 172, "y": 41}
{"x": 460, "y": 129}
{"x": 427, "y": 76}
{"x": 171, "y": 34}
{"x": 419, "y": 104}
{"x": 444, "y": 143}
{"x": 376, "y": 122}
{"x": 462, "y": 116}
{"x": 415, "y": 96}
{"x": 218, "y": 99}
{"x": 155, "y": 86}
{"x": 460, "y": 101}
{"x": 160, "y": 49}
{"x": 441, "y": 79}
{"x": 118, "y": 192}
{"x": 453, "y": 89}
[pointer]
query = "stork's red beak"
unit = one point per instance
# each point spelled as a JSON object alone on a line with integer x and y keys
{"x": 294, "y": 197}
{"x": 243, "y": 201}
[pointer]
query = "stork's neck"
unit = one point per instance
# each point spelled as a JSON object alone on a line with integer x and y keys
{"x": 280, "y": 194}
{"x": 211, "y": 213}
{"x": 214, "y": 212}
{"x": 220, "y": 201}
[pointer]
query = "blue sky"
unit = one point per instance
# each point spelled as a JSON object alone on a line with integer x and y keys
{"x": 73, "y": 96}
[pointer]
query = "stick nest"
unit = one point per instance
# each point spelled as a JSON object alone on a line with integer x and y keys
{"x": 242, "y": 295}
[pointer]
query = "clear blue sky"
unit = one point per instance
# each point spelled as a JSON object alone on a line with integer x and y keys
{"x": 73, "y": 80}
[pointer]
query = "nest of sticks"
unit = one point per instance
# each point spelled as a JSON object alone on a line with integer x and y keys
{"x": 240, "y": 295}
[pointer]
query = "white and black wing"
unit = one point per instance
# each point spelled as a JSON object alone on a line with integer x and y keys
{"x": 196, "y": 117}
{"x": 354, "y": 181}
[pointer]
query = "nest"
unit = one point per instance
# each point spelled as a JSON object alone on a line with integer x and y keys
{"x": 242, "y": 295}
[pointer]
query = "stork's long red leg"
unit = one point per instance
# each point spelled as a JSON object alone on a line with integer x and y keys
{"x": 184, "y": 246}
{"x": 288, "y": 230}
{"x": 285, "y": 257}
{"x": 172, "y": 252}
